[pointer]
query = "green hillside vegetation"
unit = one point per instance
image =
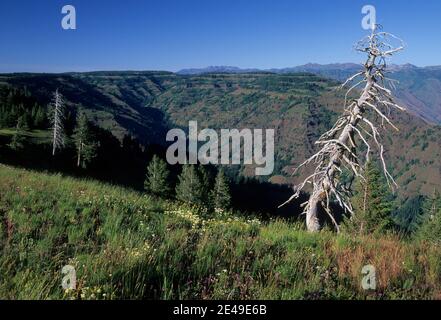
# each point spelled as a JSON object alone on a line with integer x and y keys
{"x": 420, "y": 89}
{"x": 298, "y": 106}
{"x": 126, "y": 244}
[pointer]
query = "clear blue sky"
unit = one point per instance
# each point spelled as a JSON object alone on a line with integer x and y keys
{"x": 175, "y": 34}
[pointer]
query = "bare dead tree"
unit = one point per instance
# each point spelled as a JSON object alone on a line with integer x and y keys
{"x": 57, "y": 119}
{"x": 339, "y": 145}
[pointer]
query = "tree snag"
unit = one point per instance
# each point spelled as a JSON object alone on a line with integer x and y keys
{"x": 57, "y": 119}
{"x": 338, "y": 145}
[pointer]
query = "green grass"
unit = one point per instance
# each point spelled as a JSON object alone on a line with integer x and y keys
{"x": 36, "y": 136}
{"x": 129, "y": 245}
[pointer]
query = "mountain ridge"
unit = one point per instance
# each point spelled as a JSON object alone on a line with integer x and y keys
{"x": 417, "y": 88}
{"x": 297, "y": 68}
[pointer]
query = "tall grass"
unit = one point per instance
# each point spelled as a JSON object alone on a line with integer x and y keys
{"x": 126, "y": 245}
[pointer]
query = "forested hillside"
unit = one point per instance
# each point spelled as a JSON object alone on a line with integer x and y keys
{"x": 298, "y": 106}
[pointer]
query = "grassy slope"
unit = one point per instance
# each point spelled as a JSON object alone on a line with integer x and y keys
{"x": 36, "y": 136}
{"x": 128, "y": 245}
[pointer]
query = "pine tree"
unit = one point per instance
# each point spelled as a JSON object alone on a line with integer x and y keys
{"x": 190, "y": 188}
{"x": 430, "y": 228}
{"x": 372, "y": 204}
{"x": 86, "y": 147}
{"x": 220, "y": 195}
{"x": 157, "y": 178}
{"x": 18, "y": 136}
{"x": 39, "y": 117}
{"x": 206, "y": 182}
{"x": 4, "y": 115}
{"x": 410, "y": 215}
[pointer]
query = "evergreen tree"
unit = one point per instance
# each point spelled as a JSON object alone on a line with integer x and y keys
{"x": 157, "y": 179}
{"x": 372, "y": 204}
{"x": 410, "y": 215}
{"x": 220, "y": 195}
{"x": 190, "y": 188}
{"x": 206, "y": 182}
{"x": 18, "y": 136}
{"x": 430, "y": 228}
{"x": 86, "y": 146}
{"x": 4, "y": 114}
{"x": 39, "y": 117}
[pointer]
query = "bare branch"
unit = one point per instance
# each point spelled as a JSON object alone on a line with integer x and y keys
{"x": 335, "y": 152}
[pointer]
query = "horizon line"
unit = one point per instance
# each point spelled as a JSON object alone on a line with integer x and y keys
{"x": 256, "y": 69}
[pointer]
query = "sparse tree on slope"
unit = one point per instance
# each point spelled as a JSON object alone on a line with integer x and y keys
{"x": 220, "y": 195}
{"x": 372, "y": 204}
{"x": 157, "y": 179}
{"x": 86, "y": 147}
{"x": 430, "y": 228}
{"x": 18, "y": 137}
{"x": 57, "y": 119}
{"x": 410, "y": 215}
{"x": 206, "y": 183}
{"x": 189, "y": 188}
{"x": 38, "y": 116}
{"x": 339, "y": 145}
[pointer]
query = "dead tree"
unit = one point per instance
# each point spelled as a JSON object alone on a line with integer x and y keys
{"x": 339, "y": 145}
{"x": 57, "y": 122}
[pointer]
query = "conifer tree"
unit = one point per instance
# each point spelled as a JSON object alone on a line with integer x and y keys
{"x": 206, "y": 183}
{"x": 189, "y": 188}
{"x": 39, "y": 117}
{"x": 157, "y": 178}
{"x": 220, "y": 195}
{"x": 18, "y": 137}
{"x": 430, "y": 228}
{"x": 86, "y": 146}
{"x": 410, "y": 215}
{"x": 372, "y": 204}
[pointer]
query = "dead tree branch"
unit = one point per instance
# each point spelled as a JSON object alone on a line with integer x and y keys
{"x": 57, "y": 119}
{"x": 338, "y": 145}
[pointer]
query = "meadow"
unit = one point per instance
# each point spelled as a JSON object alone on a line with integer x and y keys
{"x": 128, "y": 245}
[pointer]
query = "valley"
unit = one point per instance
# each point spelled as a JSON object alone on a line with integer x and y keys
{"x": 299, "y": 107}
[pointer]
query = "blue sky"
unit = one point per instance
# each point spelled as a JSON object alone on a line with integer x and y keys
{"x": 176, "y": 34}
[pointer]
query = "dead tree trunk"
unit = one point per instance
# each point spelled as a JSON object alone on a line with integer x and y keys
{"x": 57, "y": 122}
{"x": 80, "y": 151}
{"x": 339, "y": 145}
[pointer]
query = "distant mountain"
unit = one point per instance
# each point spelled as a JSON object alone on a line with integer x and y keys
{"x": 419, "y": 89}
{"x": 310, "y": 67}
{"x": 338, "y": 71}
{"x": 402, "y": 67}
{"x": 216, "y": 69}
{"x": 318, "y": 68}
